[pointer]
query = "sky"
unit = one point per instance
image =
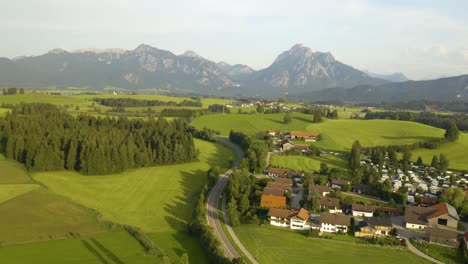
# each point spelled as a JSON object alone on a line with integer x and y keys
{"x": 424, "y": 39}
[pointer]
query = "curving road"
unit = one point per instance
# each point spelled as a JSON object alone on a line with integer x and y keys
{"x": 212, "y": 210}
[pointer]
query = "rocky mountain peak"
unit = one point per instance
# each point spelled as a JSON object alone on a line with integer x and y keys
{"x": 192, "y": 54}
{"x": 144, "y": 48}
{"x": 57, "y": 51}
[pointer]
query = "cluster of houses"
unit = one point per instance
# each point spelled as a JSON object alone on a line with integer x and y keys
{"x": 273, "y": 104}
{"x": 307, "y": 136}
{"x": 333, "y": 218}
{"x": 273, "y": 193}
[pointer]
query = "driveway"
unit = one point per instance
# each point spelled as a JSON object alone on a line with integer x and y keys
{"x": 297, "y": 197}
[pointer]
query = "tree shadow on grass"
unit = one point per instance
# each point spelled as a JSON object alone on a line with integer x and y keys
{"x": 275, "y": 121}
{"x": 303, "y": 119}
{"x": 418, "y": 138}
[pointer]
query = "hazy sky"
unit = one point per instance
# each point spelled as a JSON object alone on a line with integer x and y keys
{"x": 421, "y": 38}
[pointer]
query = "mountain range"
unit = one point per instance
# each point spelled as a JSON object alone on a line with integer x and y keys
{"x": 298, "y": 71}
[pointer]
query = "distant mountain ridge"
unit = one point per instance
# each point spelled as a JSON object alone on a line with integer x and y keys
{"x": 297, "y": 72}
{"x": 444, "y": 89}
{"x": 394, "y": 77}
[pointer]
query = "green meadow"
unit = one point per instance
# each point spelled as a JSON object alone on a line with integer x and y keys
{"x": 337, "y": 135}
{"x": 111, "y": 247}
{"x": 308, "y": 163}
{"x": 456, "y": 153}
{"x": 159, "y": 200}
{"x": 275, "y": 245}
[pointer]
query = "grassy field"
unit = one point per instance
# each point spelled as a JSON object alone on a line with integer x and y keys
{"x": 442, "y": 253}
{"x": 9, "y": 191}
{"x": 456, "y": 153}
{"x": 251, "y": 124}
{"x": 364, "y": 200}
{"x": 157, "y": 199}
{"x": 42, "y": 215}
{"x": 272, "y": 245}
{"x": 114, "y": 247}
{"x": 12, "y": 172}
{"x": 307, "y": 164}
{"x": 340, "y": 134}
{"x": 337, "y": 135}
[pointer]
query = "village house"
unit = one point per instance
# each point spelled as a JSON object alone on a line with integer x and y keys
{"x": 302, "y": 135}
{"x": 273, "y": 133}
{"x": 439, "y": 215}
{"x": 273, "y": 198}
{"x": 427, "y": 201}
{"x": 277, "y": 172}
{"x": 331, "y": 205}
{"x": 319, "y": 189}
{"x": 339, "y": 184}
{"x": 302, "y": 148}
{"x": 286, "y": 145}
{"x": 334, "y": 223}
{"x": 373, "y": 227}
{"x": 298, "y": 220}
{"x": 363, "y": 210}
{"x": 444, "y": 236}
{"x": 284, "y": 180}
{"x": 279, "y": 185}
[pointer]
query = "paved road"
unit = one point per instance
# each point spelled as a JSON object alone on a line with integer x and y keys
{"x": 421, "y": 254}
{"x": 212, "y": 210}
{"x": 297, "y": 197}
{"x": 406, "y": 234}
{"x": 213, "y": 217}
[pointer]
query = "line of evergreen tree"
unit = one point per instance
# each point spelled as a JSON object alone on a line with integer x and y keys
{"x": 255, "y": 150}
{"x": 130, "y": 102}
{"x": 12, "y": 91}
{"x": 45, "y": 138}
{"x": 171, "y": 112}
{"x": 219, "y": 108}
{"x": 427, "y": 118}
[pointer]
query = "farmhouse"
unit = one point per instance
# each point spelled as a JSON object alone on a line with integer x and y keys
{"x": 321, "y": 190}
{"x": 374, "y": 226}
{"x": 277, "y": 172}
{"x": 272, "y": 201}
{"x": 273, "y": 198}
{"x": 363, "y": 210}
{"x": 443, "y": 236}
{"x": 286, "y": 145}
{"x": 302, "y": 148}
{"x": 297, "y": 220}
{"x": 334, "y": 223}
{"x": 301, "y": 135}
{"x": 279, "y": 185}
{"x": 284, "y": 180}
{"x": 273, "y": 133}
{"x": 339, "y": 184}
{"x": 332, "y": 205}
{"x": 439, "y": 215}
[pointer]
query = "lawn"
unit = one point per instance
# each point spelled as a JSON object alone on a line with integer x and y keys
{"x": 112, "y": 247}
{"x": 307, "y": 164}
{"x": 3, "y": 111}
{"x": 364, "y": 200}
{"x": 456, "y": 153}
{"x": 274, "y": 245}
{"x": 157, "y": 199}
{"x": 446, "y": 254}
